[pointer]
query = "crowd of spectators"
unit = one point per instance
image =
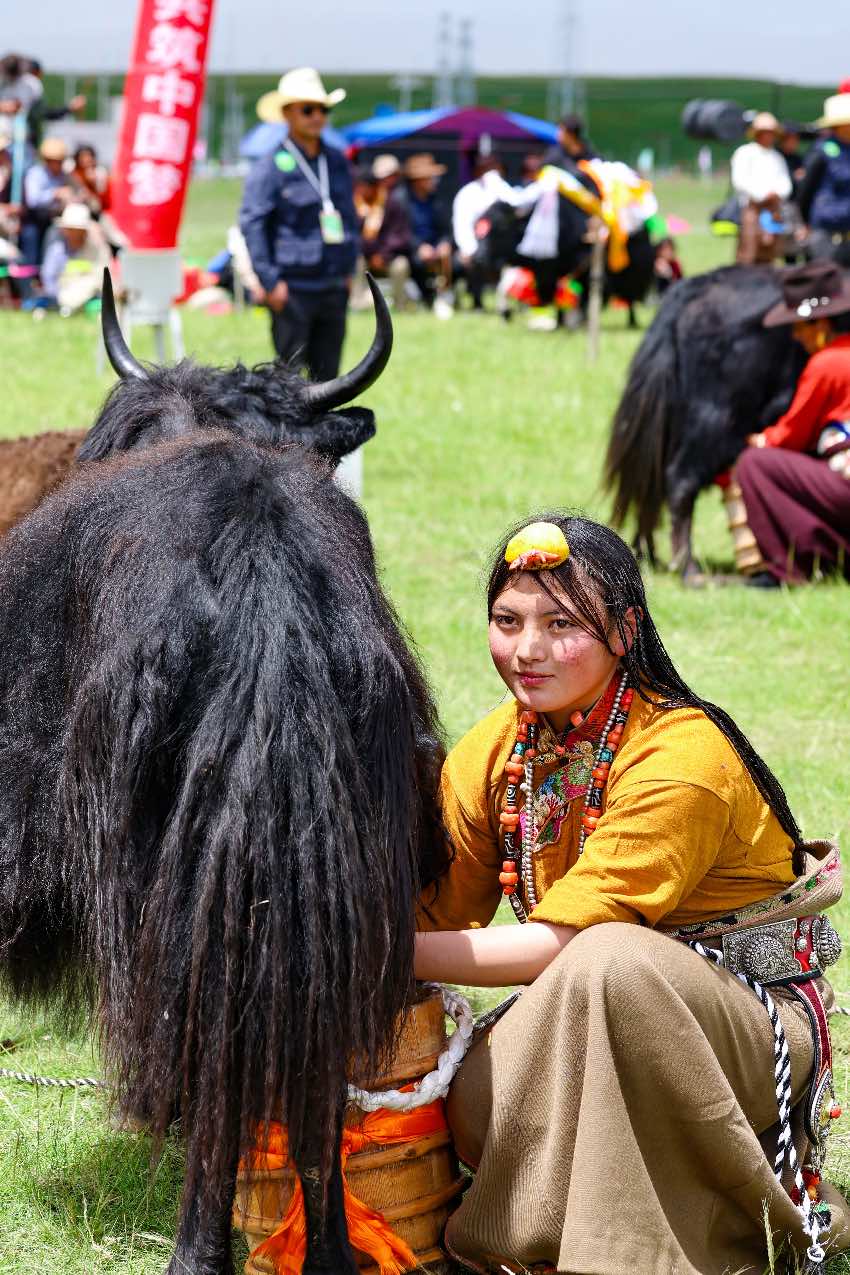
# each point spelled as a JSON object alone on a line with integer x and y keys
{"x": 55, "y": 231}
{"x": 791, "y": 202}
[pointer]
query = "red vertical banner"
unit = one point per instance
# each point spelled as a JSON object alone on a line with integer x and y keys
{"x": 162, "y": 97}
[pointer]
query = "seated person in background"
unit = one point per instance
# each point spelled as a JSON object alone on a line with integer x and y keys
{"x": 46, "y": 193}
{"x": 760, "y": 180}
{"x": 824, "y": 192}
{"x": 90, "y": 181}
{"x": 795, "y": 475}
{"x": 431, "y": 258}
{"x": 385, "y": 232}
{"x": 74, "y": 260}
{"x": 668, "y": 268}
{"x": 10, "y": 214}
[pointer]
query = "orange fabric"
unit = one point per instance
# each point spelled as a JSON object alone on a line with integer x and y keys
{"x": 368, "y": 1230}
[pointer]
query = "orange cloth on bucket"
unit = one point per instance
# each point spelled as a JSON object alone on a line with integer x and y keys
{"x": 368, "y": 1231}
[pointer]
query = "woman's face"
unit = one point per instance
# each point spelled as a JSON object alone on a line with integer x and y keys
{"x": 813, "y": 334}
{"x": 547, "y": 662}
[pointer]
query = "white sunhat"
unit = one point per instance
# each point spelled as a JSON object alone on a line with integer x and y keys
{"x": 304, "y": 84}
{"x": 75, "y": 217}
{"x": 836, "y": 111}
{"x": 384, "y": 166}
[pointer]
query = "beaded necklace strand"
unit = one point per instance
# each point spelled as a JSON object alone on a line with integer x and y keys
{"x": 520, "y": 771}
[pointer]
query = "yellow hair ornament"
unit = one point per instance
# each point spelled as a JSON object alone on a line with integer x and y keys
{"x": 538, "y": 547}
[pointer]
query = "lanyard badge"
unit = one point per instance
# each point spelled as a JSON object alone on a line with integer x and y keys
{"x": 330, "y": 220}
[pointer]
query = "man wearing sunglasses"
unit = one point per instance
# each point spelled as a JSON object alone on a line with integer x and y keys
{"x": 300, "y": 225}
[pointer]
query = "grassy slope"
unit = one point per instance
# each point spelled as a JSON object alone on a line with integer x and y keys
{"x": 478, "y": 424}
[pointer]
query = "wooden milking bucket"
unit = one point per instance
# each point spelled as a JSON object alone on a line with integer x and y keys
{"x": 748, "y": 557}
{"x": 414, "y": 1184}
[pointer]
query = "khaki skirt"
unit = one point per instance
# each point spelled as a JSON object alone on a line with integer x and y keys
{"x": 622, "y": 1119}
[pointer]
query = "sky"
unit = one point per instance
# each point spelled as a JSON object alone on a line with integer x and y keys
{"x": 619, "y": 37}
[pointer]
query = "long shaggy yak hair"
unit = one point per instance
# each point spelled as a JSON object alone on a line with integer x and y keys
{"x": 219, "y": 764}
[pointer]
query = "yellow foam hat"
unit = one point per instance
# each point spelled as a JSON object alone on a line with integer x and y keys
{"x": 538, "y": 547}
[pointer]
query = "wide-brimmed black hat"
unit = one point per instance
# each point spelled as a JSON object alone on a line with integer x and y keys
{"x": 814, "y": 291}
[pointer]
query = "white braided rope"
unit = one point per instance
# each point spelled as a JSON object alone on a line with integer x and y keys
{"x": 436, "y": 1083}
{"x": 786, "y": 1151}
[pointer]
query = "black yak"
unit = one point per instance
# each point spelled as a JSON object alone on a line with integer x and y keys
{"x": 705, "y": 376}
{"x": 264, "y": 402}
{"x": 219, "y": 762}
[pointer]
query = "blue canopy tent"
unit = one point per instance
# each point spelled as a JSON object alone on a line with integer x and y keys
{"x": 452, "y": 134}
{"x": 264, "y": 139}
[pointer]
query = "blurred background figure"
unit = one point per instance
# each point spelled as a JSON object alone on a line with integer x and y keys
{"x": 385, "y": 233}
{"x": 47, "y": 191}
{"x": 668, "y": 268}
{"x": 75, "y": 255}
{"x": 762, "y": 183}
{"x": 572, "y": 145}
{"x": 472, "y": 201}
{"x": 824, "y": 192}
{"x": 430, "y": 225}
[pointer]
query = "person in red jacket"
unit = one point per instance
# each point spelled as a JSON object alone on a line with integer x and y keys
{"x": 795, "y": 475}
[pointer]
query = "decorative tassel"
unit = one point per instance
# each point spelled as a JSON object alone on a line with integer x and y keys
{"x": 368, "y": 1230}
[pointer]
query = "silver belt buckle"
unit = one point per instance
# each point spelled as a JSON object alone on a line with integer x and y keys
{"x": 764, "y": 952}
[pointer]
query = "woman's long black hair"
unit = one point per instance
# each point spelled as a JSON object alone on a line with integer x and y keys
{"x": 602, "y": 568}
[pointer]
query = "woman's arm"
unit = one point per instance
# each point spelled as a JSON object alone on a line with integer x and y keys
{"x": 498, "y": 957}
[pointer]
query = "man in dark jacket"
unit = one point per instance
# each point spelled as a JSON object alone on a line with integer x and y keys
{"x": 824, "y": 193}
{"x": 299, "y": 223}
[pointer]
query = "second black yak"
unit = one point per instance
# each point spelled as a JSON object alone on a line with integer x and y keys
{"x": 705, "y": 376}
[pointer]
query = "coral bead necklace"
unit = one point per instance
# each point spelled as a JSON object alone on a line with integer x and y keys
{"x": 518, "y": 858}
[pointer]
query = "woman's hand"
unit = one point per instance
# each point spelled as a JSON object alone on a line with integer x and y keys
{"x": 757, "y": 440}
{"x": 496, "y": 957}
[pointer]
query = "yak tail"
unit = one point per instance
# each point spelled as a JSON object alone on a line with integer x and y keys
{"x": 638, "y": 446}
{"x": 252, "y": 766}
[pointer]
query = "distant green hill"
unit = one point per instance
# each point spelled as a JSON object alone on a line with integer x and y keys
{"x": 625, "y": 114}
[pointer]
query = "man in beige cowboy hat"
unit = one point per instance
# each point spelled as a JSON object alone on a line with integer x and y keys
{"x": 46, "y": 192}
{"x": 300, "y": 225}
{"x": 824, "y": 196}
{"x": 430, "y": 224}
{"x": 761, "y": 181}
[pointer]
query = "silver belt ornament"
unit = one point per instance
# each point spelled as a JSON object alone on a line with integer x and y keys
{"x": 771, "y": 953}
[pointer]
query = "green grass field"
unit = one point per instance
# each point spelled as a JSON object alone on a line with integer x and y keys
{"x": 479, "y": 424}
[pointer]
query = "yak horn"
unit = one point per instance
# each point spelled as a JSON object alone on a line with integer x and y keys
{"x": 329, "y": 394}
{"x": 120, "y": 356}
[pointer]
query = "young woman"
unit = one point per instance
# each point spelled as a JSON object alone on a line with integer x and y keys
{"x": 621, "y": 1116}
{"x": 795, "y": 476}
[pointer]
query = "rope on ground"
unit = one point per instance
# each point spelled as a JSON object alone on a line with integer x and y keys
{"x": 52, "y": 1082}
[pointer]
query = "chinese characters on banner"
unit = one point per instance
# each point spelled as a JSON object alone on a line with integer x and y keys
{"x": 162, "y": 96}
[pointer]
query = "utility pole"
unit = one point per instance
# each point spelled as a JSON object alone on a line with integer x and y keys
{"x": 569, "y": 33}
{"x": 444, "y": 80}
{"x": 466, "y": 93}
{"x": 406, "y": 85}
